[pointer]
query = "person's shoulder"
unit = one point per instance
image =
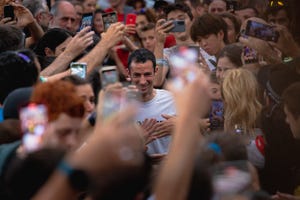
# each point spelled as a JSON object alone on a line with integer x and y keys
{"x": 6, "y": 151}
{"x": 164, "y": 93}
{"x": 9, "y": 146}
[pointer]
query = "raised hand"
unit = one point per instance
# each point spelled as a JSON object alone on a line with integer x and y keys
{"x": 23, "y": 15}
{"x": 113, "y": 35}
{"x": 286, "y": 42}
{"x": 80, "y": 42}
{"x": 161, "y": 29}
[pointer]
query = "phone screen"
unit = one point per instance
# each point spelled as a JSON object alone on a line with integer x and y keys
{"x": 78, "y": 69}
{"x": 216, "y": 116}
{"x": 109, "y": 75}
{"x": 33, "y": 119}
{"x": 9, "y": 12}
{"x": 261, "y": 31}
{"x": 108, "y": 19}
{"x": 250, "y": 55}
{"x": 87, "y": 20}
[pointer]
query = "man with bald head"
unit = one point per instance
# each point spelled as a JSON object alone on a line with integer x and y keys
{"x": 64, "y": 16}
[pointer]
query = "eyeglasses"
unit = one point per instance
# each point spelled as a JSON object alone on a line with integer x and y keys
{"x": 276, "y": 3}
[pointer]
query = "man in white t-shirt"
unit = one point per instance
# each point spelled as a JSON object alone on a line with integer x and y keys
{"x": 157, "y": 108}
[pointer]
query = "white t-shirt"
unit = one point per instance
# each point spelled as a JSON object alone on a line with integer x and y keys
{"x": 162, "y": 103}
{"x": 210, "y": 60}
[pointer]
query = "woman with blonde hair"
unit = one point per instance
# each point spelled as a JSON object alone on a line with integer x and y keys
{"x": 242, "y": 111}
{"x": 242, "y": 108}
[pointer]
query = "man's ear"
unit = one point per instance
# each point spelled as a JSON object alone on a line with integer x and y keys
{"x": 48, "y": 52}
{"x": 128, "y": 78}
{"x": 38, "y": 17}
{"x": 128, "y": 72}
{"x": 155, "y": 69}
{"x": 200, "y": 10}
{"x": 221, "y": 35}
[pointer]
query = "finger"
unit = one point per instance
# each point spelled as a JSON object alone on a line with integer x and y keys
{"x": 166, "y": 116}
{"x": 12, "y": 22}
{"x": 160, "y": 22}
{"x": 149, "y": 140}
{"x": 160, "y": 135}
{"x": 83, "y": 31}
{"x": 6, "y": 19}
{"x": 244, "y": 40}
{"x": 153, "y": 121}
{"x": 15, "y": 5}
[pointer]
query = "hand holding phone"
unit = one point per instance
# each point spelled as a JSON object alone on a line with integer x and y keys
{"x": 184, "y": 65}
{"x": 33, "y": 119}
{"x": 179, "y": 26}
{"x": 262, "y": 31}
{"x": 9, "y": 12}
{"x": 108, "y": 19}
{"x": 130, "y": 23}
{"x": 87, "y": 20}
{"x": 78, "y": 69}
{"x": 250, "y": 55}
{"x": 130, "y": 18}
{"x": 108, "y": 75}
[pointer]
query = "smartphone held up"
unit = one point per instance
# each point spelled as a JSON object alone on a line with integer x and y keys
{"x": 78, "y": 69}
{"x": 33, "y": 119}
{"x": 116, "y": 98}
{"x": 261, "y": 31}
{"x": 87, "y": 20}
{"x": 108, "y": 19}
{"x": 184, "y": 65}
{"x": 8, "y": 11}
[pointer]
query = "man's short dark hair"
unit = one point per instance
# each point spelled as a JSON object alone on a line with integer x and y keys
{"x": 51, "y": 39}
{"x": 141, "y": 56}
{"x": 11, "y": 38}
{"x": 17, "y": 69}
{"x": 291, "y": 99}
{"x": 179, "y": 6}
{"x": 208, "y": 24}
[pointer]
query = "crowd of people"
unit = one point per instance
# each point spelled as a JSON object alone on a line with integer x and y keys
{"x": 186, "y": 99}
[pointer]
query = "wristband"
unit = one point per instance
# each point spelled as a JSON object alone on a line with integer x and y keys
{"x": 161, "y": 62}
{"x": 77, "y": 178}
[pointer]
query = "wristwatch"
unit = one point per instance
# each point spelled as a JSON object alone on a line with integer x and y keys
{"x": 77, "y": 178}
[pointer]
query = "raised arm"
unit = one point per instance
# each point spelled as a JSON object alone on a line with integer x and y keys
{"x": 75, "y": 47}
{"x": 161, "y": 30}
{"x": 109, "y": 39}
{"x": 101, "y": 154}
{"x": 176, "y": 172}
{"x": 26, "y": 19}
